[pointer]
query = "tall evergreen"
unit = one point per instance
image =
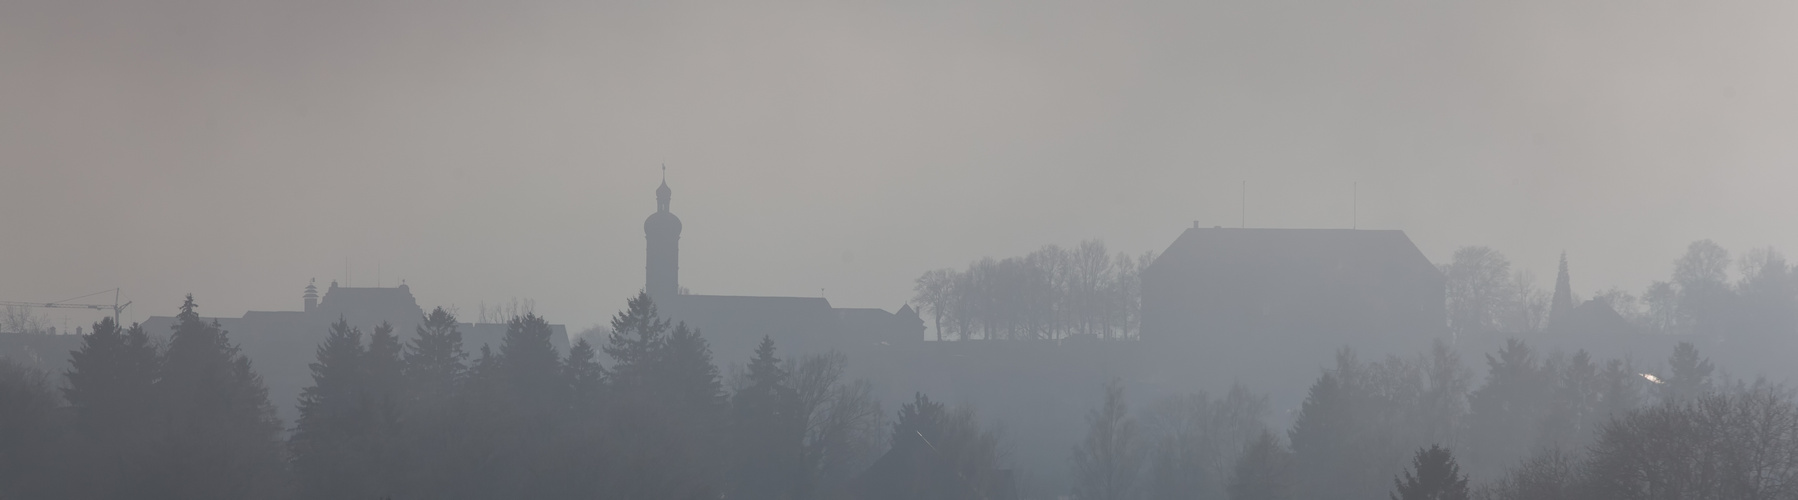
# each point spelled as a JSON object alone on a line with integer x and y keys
{"x": 331, "y": 439}
{"x": 433, "y": 368}
{"x": 583, "y": 377}
{"x": 530, "y": 365}
{"x": 218, "y": 435}
{"x": 668, "y": 407}
{"x": 768, "y": 430}
{"x": 1433, "y": 476}
{"x": 435, "y": 362}
{"x": 109, "y": 380}
{"x": 109, "y": 384}
{"x": 1688, "y": 374}
{"x": 637, "y": 334}
{"x": 385, "y": 365}
{"x": 692, "y": 400}
{"x": 686, "y": 371}
{"x": 1264, "y": 472}
{"x": 32, "y": 463}
{"x": 1321, "y": 438}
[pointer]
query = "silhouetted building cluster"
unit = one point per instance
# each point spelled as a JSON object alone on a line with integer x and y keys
{"x": 735, "y": 324}
{"x": 282, "y": 343}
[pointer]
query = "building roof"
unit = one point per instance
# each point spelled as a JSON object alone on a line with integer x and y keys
{"x": 1297, "y": 283}
{"x": 1346, "y": 252}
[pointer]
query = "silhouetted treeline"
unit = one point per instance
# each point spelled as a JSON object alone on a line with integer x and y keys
{"x": 1052, "y": 293}
{"x": 413, "y": 417}
{"x": 648, "y": 415}
{"x": 1760, "y": 304}
{"x": 1554, "y": 426}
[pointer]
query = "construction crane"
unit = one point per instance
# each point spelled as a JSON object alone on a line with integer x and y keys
{"x": 116, "y": 307}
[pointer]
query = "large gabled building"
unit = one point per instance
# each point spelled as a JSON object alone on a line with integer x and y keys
{"x": 1225, "y": 286}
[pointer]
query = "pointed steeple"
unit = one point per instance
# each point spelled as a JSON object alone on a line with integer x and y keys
{"x": 1562, "y": 303}
{"x": 663, "y": 193}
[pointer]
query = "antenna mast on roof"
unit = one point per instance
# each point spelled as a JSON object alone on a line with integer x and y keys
{"x": 1245, "y": 204}
{"x": 1355, "y": 217}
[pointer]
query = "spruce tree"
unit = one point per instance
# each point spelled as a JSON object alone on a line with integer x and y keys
{"x": 1264, "y": 472}
{"x": 1688, "y": 374}
{"x": 584, "y": 378}
{"x": 637, "y": 335}
{"x": 109, "y": 380}
{"x": 335, "y": 443}
{"x": 685, "y": 369}
{"x": 769, "y": 431}
{"x": 433, "y": 370}
{"x": 385, "y": 365}
{"x": 691, "y": 395}
{"x": 1433, "y": 476}
{"x": 31, "y": 462}
{"x": 218, "y": 436}
{"x": 529, "y": 363}
{"x": 435, "y": 362}
{"x": 1321, "y": 437}
{"x": 109, "y": 389}
{"x": 576, "y": 462}
{"x": 519, "y": 389}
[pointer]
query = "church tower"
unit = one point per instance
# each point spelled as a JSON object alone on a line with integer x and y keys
{"x": 311, "y": 295}
{"x": 662, "y": 229}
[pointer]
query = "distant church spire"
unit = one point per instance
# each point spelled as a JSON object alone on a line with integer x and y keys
{"x": 662, "y": 230}
{"x": 1562, "y": 302}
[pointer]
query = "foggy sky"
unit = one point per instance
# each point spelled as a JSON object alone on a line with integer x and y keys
{"x": 489, "y": 150}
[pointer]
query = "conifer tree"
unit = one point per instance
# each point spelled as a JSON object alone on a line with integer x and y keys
{"x": 1433, "y": 476}
{"x": 433, "y": 368}
{"x": 582, "y": 449}
{"x": 1321, "y": 438}
{"x": 529, "y": 364}
{"x": 685, "y": 369}
{"x": 1264, "y": 472}
{"x": 769, "y": 431}
{"x": 109, "y": 388}
{"x": 219, "y": 438}
{"x": 435, "y": 362}
{"x": 584, "y": 377}
{"x": 30, "y": 435}
{"x": 109, "y": 380}
{"x": 385, "y": 364}
{"x": 331, "y": 439}
{"x": 1688, "y": 374}
{"x": 691, "y": 399}
{"x": 637, "y": 334}
{"x": 668, "y": 407}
